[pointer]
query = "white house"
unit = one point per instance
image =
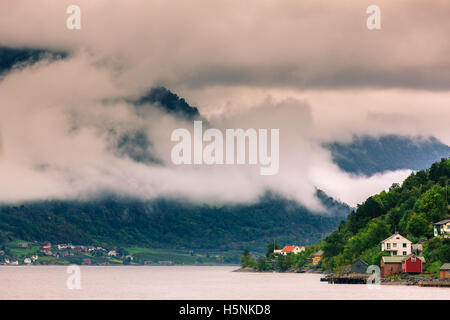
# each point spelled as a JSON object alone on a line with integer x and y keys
{"x": 396, "y": 245}
{"x": 290, "y": 249}
{"x": 46, "y": 245}
{"x": 442, "y": 228}
{"x": 112, "y": 253}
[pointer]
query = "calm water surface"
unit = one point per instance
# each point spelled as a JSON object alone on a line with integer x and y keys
{"x": 188, "y": 282}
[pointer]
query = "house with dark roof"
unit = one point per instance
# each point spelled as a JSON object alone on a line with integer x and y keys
{"x": 442, "y": 228}
{"x": 359, "y": 266}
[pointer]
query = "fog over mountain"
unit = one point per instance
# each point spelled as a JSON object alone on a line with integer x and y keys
{"x": 367, "y": 155}
{"x": 98, "y": 119}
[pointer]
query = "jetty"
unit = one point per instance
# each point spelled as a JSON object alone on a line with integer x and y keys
{"x": 435, "y": 283}
{"x": 351, "y": 278}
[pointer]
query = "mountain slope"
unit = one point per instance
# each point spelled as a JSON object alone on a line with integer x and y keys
{"x": 10, "y": 57}
{"x": 168, "y": 102}
{"x": 367, "y": 155}
{"x": 169, "y": 223}
{"x": 410, "y": 209}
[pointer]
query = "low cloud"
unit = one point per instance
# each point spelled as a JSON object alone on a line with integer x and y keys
{"x": 60, "y": 121}
{"x": 285, "y": 44}
{"x": 315, "y": 72}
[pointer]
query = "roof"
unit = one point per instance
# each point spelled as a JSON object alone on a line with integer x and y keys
{"x": 318, "y": 253}
{"x": 395, "y": 235}
{"x": 409, "y": 256}
{"x": 445, "y": 266}
{"x": 392, "y": 259}
{"x": 442, "y": 222}
{"x": 288, "y": 249}
{"x": 360, "y": 261}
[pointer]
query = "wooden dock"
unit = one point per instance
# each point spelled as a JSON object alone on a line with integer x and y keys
{"x": 352, "y": 278}
{"x": 435, "y": 283}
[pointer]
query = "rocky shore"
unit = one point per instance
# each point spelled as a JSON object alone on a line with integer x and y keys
{"x": 354, "y": 278}
{"x": 306, "y": 269}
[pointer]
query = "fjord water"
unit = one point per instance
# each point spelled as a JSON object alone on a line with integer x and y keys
{"x": 189, "y": 282}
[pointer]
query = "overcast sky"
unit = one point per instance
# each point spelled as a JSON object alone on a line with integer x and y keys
{"x": 310, "y": 68}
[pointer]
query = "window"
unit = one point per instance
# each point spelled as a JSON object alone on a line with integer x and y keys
{"x": 404, "y": 253}
{"x": 413, "y": 259}
{"x": 394, "y": 245}
{"x": 404, "y": 245}
{"x": 388, "y": 245}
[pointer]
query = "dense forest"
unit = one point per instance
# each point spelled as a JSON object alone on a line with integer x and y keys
{"x": 168, "y": 223}
{"x": 410, "y": 208}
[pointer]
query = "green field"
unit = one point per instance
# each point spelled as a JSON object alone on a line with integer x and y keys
{"x": 18, "y": 252}
{"x": 140, "y": 255}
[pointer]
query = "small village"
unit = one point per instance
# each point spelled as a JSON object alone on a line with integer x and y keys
{"x": 402, "y": 264}
{"x": 34, "y": 253}
{"x": 20, "y": 252}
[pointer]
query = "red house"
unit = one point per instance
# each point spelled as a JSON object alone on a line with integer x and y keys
{"x": 412, "y": 264}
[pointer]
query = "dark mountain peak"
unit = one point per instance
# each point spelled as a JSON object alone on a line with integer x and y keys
{"x": 368, "y": 155}
{"x": 169, "y": 102}
{"x": 10, "y": 57}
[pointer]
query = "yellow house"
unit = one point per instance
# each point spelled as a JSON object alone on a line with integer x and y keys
{"x": 317, "y": 256}
{"x": 442, "y": 228}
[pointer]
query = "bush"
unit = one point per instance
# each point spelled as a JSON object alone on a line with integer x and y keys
{"x": 418, "y": 225}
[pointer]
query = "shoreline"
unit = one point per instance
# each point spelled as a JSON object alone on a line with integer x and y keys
{"x": 362, "y": 278}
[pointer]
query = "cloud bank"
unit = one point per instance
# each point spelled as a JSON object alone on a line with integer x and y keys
{"x": 310, "y": 69}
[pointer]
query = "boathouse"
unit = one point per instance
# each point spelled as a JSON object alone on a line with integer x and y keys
{"x": 444, "y": 271}
{"x": 359, "y": 266}
{"x": 390, "y": 265}
{"x": 412, "y": 264}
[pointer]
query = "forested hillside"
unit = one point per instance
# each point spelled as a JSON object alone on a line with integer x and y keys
{"x": 370, "y": 155}
{"x": 169, "y": 224}
{"x": 410, "y": 208}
